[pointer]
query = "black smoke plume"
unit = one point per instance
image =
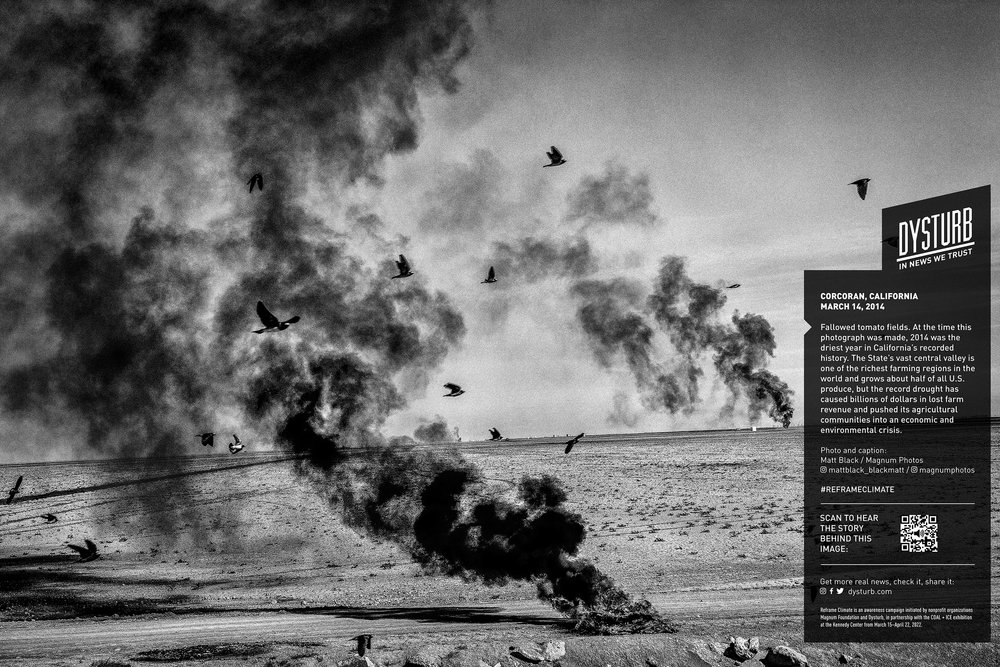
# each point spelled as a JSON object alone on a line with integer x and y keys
{"x": 434, "y": 504}
{"x": 142, "y": 334}
{"x": 622, "y": 322}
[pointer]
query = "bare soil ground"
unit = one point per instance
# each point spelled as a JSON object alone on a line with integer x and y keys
{"x": 236, "y": 560}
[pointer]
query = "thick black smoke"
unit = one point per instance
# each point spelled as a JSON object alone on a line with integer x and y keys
{"x": 433, "y": 503}
{"x": 109, "y": 103}
{"x": 620, "y": 321}
{"x": 142, "y": 335}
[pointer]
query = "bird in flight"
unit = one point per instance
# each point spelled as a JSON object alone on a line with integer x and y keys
{"x": 495, "y": 434}
{"x": 862, "y": 184}
{"x": 270, "y": 321}
{"x": 892, "y": 241}
{"x": 364, "y": 643}
{"x": 454, "y": 389}
{"x": 733, "y": 286}
{"x": 404, "y": 268}
{"x": 87, "y": 553}
{"x": 13, "y": 491}
{"x": 569, "y": 444}
{"x": 491, "y": 277}
{"x": 555, "y": 157}
{"x": 236, "y": 446}
{"x": 50, "y": 518}
{"x": 258, "y": 180}
{"x": 207, "y": 439}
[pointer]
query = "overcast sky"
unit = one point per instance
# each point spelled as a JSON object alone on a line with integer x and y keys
{"x": 749, "y": 118}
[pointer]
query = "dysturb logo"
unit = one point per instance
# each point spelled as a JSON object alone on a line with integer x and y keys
{"x": 935, "y": 238}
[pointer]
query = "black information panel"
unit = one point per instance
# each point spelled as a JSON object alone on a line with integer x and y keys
{"x": 897, "y": 447}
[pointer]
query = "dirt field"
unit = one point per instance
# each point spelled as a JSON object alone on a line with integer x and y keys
{"x": 237, "y": 550}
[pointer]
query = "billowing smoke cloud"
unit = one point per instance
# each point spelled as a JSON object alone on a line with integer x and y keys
{"x": 614, "y": 197}
{"x": 622, "y": 412}
{"x": 619, "y": 321}
{"x": 145, "y": 340}
{"x": 123, "y": 337}
{"x": 531, "y": 259}
{"x": 433, "y": 503}
{"x": 435, "y": 430}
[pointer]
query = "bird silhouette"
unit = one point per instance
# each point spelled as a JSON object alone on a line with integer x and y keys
{"x": 733, "y": 286}
{"x": 555, "y": 158}
{"x": 491, "y": 277}
{"x": 495, "y": 434}
{"x": 454, "y": 389}
{"x": 50, "y": 518}
{"x": 862, "y": 184}
{"x": 258, "y": 180}
{"x": 891, "y": 241}
{"x": 207, "y": 439}
{"x": 270, "y": 321}
{"x": 569, "y": 444}
{"x": 404, "y": 268}
{"x": 236, "y": 446}
{"x": 87, "y": 553}
{"x": 14, "y": 490}
{"x": 364, "y": 643}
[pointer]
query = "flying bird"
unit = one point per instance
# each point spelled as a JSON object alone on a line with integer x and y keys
{"x": 50, "y": 518}
{"x": 454, "y": 389}
{"x": 207, "y": 439}
{"x": 404, "y": 268}
{"x": 892, "y": 241}
{"x": 270, "y": 321}
{"x": 491, "y": 277}
{"x": 733, "y": 286}
{"x": 556, "y": 158}
{"x": 569, "y": 445}
{"x": 236, "y": 446}
{"x": 258, "y": 180}
{"x": 13, "y": 491}
{"x": 496, "y": 434}
{"x": 862, "y": 184}
{"x": 364, "y": 643}
{"x": 87, "y": 553}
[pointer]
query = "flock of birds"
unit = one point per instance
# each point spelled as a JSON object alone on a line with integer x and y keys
{"x": 272, "y": 323}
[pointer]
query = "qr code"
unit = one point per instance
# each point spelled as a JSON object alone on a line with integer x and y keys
{"x": 918, "y": 533}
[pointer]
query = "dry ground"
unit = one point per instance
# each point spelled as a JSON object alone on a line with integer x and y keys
{"x": 238, "y": 550}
